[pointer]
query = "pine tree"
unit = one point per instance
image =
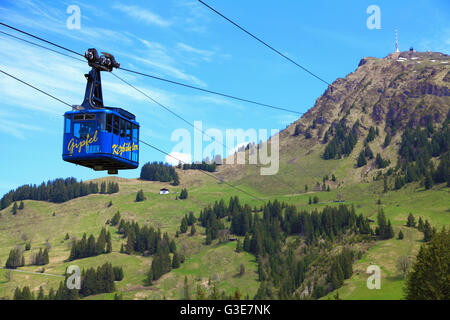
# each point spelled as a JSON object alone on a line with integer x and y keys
{"x": 193, "y": 230}
{"x": 208, "y": 238}
{"x": 14, "y": 208}
{"x": 246, "y": 245}
{"x": 21, "y": 206}
{"x": 238, "y": 246}
{"x": 428, "y": 279}
{"x": 184, "y": 225}
{"x": 400, "y": 235}
{"x": 149, "y": 277}
{"x": 428, "y": 180}
{"x": 186, "y": 294}
{"x": 41, "y": 295}
{"x": 411, "y": 222}
{"x": 140, "y": 196}
{"x": 297, "y": 130}
{"x": 183, "y": 194}
{"x": 427, "y": 232}
{"x": 45, "y": 258}
{"x": 108, "y": 243}
{"x": 420, "y": 226}
{"x": 176, "y": 180}
{"x": 361, "y": 161}
{"x": 175, "y": 261}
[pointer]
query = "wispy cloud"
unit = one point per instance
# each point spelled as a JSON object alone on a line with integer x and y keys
{"x": 17, "y": 128}
{"x": 176, "y": 72}
{"x": 205, "y": 54}
{"x": 143, "y": 15}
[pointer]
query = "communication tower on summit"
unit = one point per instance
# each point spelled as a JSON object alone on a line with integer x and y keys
{"x": 396, "y": 41}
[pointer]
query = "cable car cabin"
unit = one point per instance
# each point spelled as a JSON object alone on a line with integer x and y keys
{"x": 105, "y": 139}
{"x": 96, "y": 136}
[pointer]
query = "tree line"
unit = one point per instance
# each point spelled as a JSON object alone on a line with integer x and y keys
{"x": 89, "y": 247}
{"x": 58, "y": 191}
{"x": 418, "y": 147}
{"x": 343, "y": 141}
{"x": 93, "y": 281}
{"x": 148, "y": 241}
{"x": 210, "y": 167}
{"x": 159, "y": 171}
{"x": 281, "y": 270}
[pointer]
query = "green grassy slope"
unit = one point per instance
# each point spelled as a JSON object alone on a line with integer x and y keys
{"x": 42, "y": 221}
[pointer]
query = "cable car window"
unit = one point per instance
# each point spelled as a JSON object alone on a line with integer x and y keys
{"x": 109, "y": 122}
{"x": 78, "y": 117}
{"x": 116, "y": 125}
{"x": 82, "y": 129}
{"x": 89, "y": 116}
{"x": 68, "y": 124}
{"x": 122, "y": 128}
{"x": 101, "y": 121}
{"x": 135, "y": 133}
{"x": 129, "y": 131}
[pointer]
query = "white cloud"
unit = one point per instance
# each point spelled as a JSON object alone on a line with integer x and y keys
{"x": 175, "y": 158}
{"x": 205, "y": 54}
{"x": 17, "y": 128}
{"x": 143, "y": 15}
{"x": 177, "y": 73}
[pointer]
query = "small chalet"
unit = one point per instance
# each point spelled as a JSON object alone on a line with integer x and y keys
{"x": 163, "y": 191}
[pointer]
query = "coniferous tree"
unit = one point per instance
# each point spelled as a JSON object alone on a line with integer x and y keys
{"x": 238, "y": 246}
{"x": 15, "y": 258}
{"x": 420, "y": 225}
{"x": 427, "y": 231}
{"x": 411, "y": 221}
{"x": 140, "y": 196}
{"x": 41, "y": 294}
{"x": 246, "y": 245}
{"x": 400, "y": 235}
{"x": 108, "y": 243}
{"x": 184, "y": 225}
{"x": 14, "y": 208}
{"x": 297, "y": 130}
{"x": 186, "y": 294}
{"x": 193, "y": 230}
{"x": 428, "y": 180}
{"x": 176, "y": 180}
{"x": 21, "y": 206}
{"x": 175, "y": 261}
{"x": 428, "y": 279}
{"x": 361, "y": 161}
{"x": 149, "y": 277}
{"x": 183, "y": 194}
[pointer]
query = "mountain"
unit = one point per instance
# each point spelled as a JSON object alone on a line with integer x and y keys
{"x": 403, "y": 96}
{"x": 405, "y": 89}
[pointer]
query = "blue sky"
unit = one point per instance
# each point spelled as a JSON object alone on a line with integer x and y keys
{"x": 184, "y": 41}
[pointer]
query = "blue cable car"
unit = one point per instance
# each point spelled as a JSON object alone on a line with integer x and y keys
{"x": 96, "y": 136}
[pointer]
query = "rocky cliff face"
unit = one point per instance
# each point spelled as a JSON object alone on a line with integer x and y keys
{"x": 389, "y": 94}
{"x": 400, "y": 89}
